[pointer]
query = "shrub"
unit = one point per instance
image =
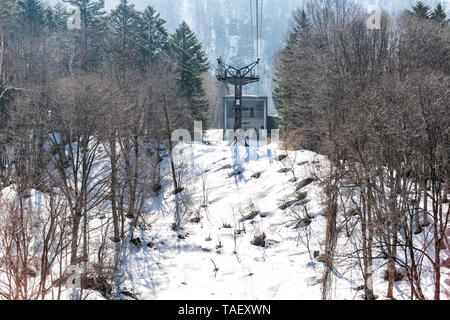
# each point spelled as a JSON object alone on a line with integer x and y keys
{"x": 259, "y": 240}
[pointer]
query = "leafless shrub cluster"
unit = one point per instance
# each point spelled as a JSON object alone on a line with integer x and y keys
{"x": 32, "y": 249}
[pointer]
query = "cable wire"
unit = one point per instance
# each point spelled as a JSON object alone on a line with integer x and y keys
{"x": 143, "y": 46}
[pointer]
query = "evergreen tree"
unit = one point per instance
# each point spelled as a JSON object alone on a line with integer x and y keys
{"x": 31, "y": 16}
{"x": 279, "y": 101}
{"x": 50, "y": 19}
{"x": 89, "y": 39}
{"x": 124, "y": 22}
{"x": 439, "y": 14}
{"x": 123, "y": 19}
{"x": 191, "y": 60}
{"x": 302, "y": 21}
{"x": 283, "y": 91}
{"x": 301, "y": 25}
{"x": 152, "y": 30}
{"x": 56, "y": 17}
{"x": 421, "y": 10}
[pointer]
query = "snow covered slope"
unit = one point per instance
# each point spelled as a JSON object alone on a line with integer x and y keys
{"x": 276, "y": 198}
{"x": 215, "y": 258}
{"x": 176, "y": 268}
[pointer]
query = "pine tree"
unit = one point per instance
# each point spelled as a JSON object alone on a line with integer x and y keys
{"x": 50, "y": 19}
{"x": 421, "y": 10}
{"x": 301, "y": 25}
{"x": 124, "y": 22}
{"x": 439, "y": 14}
{"x": 154, "y": 33}
{"x": 31, "y": 16}
{"x": 191, "y": 60}
{"x": 302, "y": 21}
{"x": 89, "y": 39}
{"x": 123, "y": 19}
{"x": 56, "y": 17}
{"x": 279, "y": 101}
{"x": 282, "y": 94}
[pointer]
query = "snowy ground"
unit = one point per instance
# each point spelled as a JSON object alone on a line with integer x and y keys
{"x": 211, "y": 262}
{"x": 180, "y": 269}
{"x": 176, "y": 268}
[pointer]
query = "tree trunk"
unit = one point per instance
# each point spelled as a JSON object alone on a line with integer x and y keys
{"x": 74, "y": 241}
{"x": 113, "y": 193}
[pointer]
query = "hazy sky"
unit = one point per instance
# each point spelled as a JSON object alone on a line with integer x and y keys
{"x": 166, "y": 6}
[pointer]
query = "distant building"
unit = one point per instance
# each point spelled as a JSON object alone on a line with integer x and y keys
{"x": 254, "y": 114}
